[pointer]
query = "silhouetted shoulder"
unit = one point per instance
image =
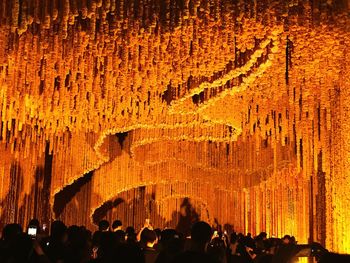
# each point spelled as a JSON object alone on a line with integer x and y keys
{"x": 194, "y": 257}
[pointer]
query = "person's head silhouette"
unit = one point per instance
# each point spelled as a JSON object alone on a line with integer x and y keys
{"x": 11, "y": 231}
{"x": 200, "y": 235}
{"x": 103, "y": 226}
{"x": 148, "y": 237}
{"x": 58, "y": 231}
{"x": 117, "y": 225}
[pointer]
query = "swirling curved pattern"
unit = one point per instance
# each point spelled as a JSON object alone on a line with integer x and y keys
{"x": 249, "y": 96}
{"x": 154, "y": 196}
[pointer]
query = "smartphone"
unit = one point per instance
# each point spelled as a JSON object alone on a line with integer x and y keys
{"x": 32, "y": 231}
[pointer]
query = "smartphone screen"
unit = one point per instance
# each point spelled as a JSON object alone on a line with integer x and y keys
{"x": 32, "y": 230}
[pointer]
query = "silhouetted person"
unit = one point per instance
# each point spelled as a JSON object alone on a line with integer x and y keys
{"x": 130, "y": 235}
{"x": 171, "y": 245}
{"x": 110, "y": 250}
{"x": 259, "y": 240}
{"x": 119, "y": 236}
{"x": 117, "y": 225}
{"x": 56, "y": 247}
{"x": 285, "y": 252}
{"x": 34, "y": 222}
{"x": 217, "y": 249}
{"x": 18, "y": 247}
{"x": 78, "y": 245}
{"x": 148, "y": 241}
{"x": 40, "y": 235}
{"x": 245, "y": 249}
{"x": 129, "y": 252}
{"x": 158, "y": 232}
{"x": 10, "y": 235}
{"x": 103, "y": 226}
{"x": 232, "y": 253}
{"x": 11, "y": 231}
{"x": 200, "y": 237}
{"x": 332, "y": 257}
{"x": 107, "y": 247}
{"x": 287, "y": 240}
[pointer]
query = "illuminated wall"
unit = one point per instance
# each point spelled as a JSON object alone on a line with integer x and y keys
{"x": 240, "y": 106}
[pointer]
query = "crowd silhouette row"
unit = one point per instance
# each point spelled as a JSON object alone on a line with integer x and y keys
{"x": 76, "y": 244}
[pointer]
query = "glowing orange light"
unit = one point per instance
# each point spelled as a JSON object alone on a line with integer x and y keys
{"x": 243, "y": 107}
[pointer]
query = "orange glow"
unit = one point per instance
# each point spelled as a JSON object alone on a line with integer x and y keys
{"x": 241, "y": 107}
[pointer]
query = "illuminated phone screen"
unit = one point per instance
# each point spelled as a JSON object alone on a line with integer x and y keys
{"x": 32, "y": 231}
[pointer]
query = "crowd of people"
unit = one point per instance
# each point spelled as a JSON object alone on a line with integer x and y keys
{"x": 76, "y": 244}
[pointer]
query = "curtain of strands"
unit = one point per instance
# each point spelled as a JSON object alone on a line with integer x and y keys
{"x": 234, "y": 112}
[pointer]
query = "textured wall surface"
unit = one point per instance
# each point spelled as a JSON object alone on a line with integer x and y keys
{"x": 235, "y": 112}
